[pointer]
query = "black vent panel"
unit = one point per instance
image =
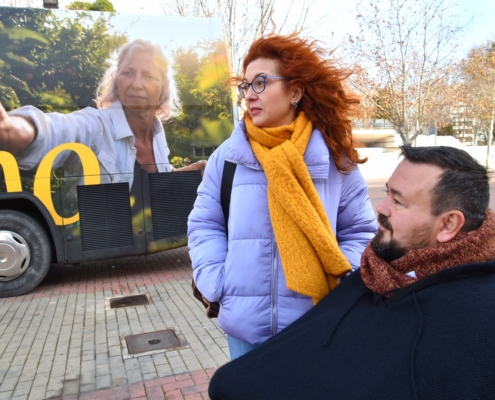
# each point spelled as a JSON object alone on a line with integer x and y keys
{"x": 105, "y": 216}
{"x": 172, "y": 198}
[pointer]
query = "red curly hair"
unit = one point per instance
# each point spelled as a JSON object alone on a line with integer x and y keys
{"x": 326, "y": 100}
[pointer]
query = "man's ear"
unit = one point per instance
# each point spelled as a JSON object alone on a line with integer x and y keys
{"x": 451, "y": 223}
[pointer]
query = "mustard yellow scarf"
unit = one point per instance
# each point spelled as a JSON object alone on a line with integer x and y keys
{"x": 310, "y": 254}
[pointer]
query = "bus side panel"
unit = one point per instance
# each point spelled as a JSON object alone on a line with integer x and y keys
{"x": 111, "y": 219}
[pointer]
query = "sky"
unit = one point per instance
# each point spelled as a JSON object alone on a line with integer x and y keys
{"x": 477, "y": 15}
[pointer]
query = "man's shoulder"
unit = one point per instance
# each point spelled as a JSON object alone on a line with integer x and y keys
{"x": 482, "y": 273}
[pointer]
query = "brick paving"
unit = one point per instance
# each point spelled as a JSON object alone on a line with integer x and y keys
{"x": 61, "y": 341}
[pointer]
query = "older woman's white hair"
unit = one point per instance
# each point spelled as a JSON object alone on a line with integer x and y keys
{"x": 107, "y": 92}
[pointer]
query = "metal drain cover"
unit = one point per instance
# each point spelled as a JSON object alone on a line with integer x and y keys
{"x": 129, "y": 301}
{"x": 144, "y": 342}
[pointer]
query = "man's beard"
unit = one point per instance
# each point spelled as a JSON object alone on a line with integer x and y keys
{"x": 392, "y": 250}
{"x": 388, "y": 251}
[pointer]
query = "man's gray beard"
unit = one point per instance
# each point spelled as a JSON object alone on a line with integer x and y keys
{"x": 388, "y": 251}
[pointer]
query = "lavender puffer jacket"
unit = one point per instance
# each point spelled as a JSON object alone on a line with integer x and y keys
{"x": 244, "y": 272}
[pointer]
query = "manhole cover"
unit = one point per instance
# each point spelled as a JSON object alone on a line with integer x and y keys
{"x": 159, "y": 340}
{"x": 129, "y": 301}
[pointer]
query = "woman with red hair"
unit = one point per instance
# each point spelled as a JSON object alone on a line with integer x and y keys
{"x": 300, "y": 214}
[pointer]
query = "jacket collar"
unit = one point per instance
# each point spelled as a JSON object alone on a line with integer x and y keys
{"x": 316, "y": 157}
{"x": 122, "y": 128}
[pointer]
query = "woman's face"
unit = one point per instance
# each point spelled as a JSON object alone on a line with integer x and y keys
{"x": 139, "y": 81}
{"x": 272, "y": 107}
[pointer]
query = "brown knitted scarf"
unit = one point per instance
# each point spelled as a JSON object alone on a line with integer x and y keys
{"x": 467, "y": 247}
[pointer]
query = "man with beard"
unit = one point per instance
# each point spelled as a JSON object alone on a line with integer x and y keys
{"x": 416, "y": 321}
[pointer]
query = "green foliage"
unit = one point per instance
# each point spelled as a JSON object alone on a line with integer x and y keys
{"x": 177, "y": 162}
{"x": 15, "y": 43}
{"x": 70, "y": 67}
{"x": 102, "y": 5}
{"x": 98, "y": 5}
{"x": 206, "y": 118}
{"x": 79, "y": 5}
{"x": 8, "y": 97}
{"x": 447, "y": 130}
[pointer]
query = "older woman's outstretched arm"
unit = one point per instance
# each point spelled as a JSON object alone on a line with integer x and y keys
{"x": 16, "y": 132}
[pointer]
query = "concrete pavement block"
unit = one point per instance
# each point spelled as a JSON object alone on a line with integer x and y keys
{"x": 53, "y": 394}
{"x": 150, "y": 376}
{"x": 87, "y": 388}
{"x": 70, "y": 387}
{"x": 6, "y": 395}
{"x": 102, "y": 358}
{"x": 88, "y": 377}
{"x": 134, "y": 376}
{"x": 27, "y": 375}
{"x": 102, "y": 369}
{"x": 101, "y": 348}
{"x": 41, "y": 379}
{"x": 8, "y": 384}
{"x": 37, "y": 393}
{"x": 131, "y": 363}
{"x": 88, "y": 356}
{"x": 164, "y": 370}
{"x": 103, "y": 381}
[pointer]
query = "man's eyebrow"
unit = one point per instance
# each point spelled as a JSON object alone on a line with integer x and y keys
{"x": 394, "y": 191}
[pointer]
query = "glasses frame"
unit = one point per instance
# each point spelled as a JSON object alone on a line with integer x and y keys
{"x": 243, "y": 87}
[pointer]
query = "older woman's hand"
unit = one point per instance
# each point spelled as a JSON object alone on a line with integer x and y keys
{"x": 197, "y": 166}
{"x": 15, "y": 132}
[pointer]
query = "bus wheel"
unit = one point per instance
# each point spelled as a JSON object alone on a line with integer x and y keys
{"x": 25, "y": 253}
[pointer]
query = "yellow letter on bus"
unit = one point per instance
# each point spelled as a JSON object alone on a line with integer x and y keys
{"x": 42, "y": 189}
{"x": 10, "y": 172}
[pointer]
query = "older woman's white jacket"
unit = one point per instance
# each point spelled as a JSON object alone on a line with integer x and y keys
{"x": 105, "y": 131}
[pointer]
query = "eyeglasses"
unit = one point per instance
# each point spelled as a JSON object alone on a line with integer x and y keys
{"x": 258, "y": 85}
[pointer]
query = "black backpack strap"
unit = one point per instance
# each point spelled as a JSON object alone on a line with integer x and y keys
{"x": 226, "y": 190}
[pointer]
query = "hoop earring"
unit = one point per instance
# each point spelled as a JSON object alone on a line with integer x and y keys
{"x": 294, "y": 104}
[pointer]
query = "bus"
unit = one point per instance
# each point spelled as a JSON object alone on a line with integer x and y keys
{"x": 83, "y": 179}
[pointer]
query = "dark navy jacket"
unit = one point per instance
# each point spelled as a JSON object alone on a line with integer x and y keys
{"x": 434, "y": 339}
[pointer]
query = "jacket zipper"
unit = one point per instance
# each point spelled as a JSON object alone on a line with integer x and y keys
{"x": 274, "y": 290}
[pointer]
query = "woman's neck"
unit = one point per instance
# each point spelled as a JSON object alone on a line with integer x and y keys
{"x": 141, "y": 123}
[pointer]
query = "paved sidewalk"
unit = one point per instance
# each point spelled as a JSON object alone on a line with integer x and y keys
{"x": 61, "y": 341}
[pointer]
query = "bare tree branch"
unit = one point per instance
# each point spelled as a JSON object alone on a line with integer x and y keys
{"x": 245, "y": 21}
{"x": 405, "y": 49}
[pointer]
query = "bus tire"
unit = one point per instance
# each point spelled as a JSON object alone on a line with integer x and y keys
{"x": 25, "y": 246}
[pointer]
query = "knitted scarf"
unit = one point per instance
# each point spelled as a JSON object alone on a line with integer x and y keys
{"x": 311, "y": 258}
{"x": 466, "y": 247}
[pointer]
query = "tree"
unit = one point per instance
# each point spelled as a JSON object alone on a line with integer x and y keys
{"x": 15, "y": 43}
{"x": 404, "y": 50}
{"x": 206, "y": 119}
{"x": 478, "y": 87}
{"x": 245, "y": 21}
{"x": 98, "y": 5}
{"x": 63, "y": 74}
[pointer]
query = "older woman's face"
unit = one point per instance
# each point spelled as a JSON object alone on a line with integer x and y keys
{"x": 139, "y": 81}
{"x": 272, "y": 107}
